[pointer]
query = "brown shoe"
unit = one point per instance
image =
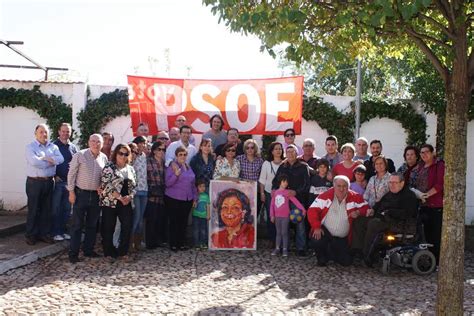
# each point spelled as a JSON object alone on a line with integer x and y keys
{"x": 31, "y": 241}
{"x": 46, "y": 239}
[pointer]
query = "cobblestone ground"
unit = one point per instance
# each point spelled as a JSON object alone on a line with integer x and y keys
{"x": 207, "y": 282}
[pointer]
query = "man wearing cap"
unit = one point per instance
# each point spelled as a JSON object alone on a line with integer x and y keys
{"x": 42, "y": 157}
{"x": 330, "y": 217}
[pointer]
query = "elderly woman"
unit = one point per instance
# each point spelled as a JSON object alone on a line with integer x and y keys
{"x": 346, "y": 167}
{"x": 227, "y": 167}
{"x": 216, "y": 134}
{"x": 430, "y": 181}
{"x": 250, "y": 162}
{"x": 378, "y": 184}
{"x": 203, "y": 162}
{"x": 267, "y": 174}
{"x": 117, "y": 186}
{"x": 235, "y": 218}
{"x": 180, "y": 194}
{"x": 411, "y": 154}
{"x": 155, "y": 215}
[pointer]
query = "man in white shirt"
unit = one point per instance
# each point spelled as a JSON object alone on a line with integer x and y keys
{"x": 185, "y": 134}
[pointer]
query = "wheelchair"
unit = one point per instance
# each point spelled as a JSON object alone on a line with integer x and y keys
{"x": 404, "y": 246}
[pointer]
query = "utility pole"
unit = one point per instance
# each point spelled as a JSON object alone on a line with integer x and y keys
{"x": 357, "y": 107}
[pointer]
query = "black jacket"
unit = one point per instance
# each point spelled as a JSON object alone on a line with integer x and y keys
{"x": 398, "y": 206}
{"x": 298, "y": 179}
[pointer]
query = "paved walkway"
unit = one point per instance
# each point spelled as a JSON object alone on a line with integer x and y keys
{"x": 207, "y": 282}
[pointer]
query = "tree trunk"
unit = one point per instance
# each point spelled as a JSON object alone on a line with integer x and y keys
{"x": 451, "y": 268}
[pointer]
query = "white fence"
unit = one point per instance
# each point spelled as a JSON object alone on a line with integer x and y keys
{"x": 17, "y": 129}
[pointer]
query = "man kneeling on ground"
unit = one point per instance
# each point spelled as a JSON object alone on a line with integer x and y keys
{"x": 330, "y": 217}
{"x": 395, "y": 208}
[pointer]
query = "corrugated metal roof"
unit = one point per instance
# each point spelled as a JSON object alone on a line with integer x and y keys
{"x": 40, "y": 81}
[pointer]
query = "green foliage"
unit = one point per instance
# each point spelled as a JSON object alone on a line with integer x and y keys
{"x": 50, "y": 108}
{"x": 99, "y": 112}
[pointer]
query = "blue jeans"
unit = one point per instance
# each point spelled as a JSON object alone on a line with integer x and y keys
{"x": 139, "y": 201}
{"x": 300, "y": 235}
{"x": 271, "y": 231}
{"x": 200, "y": 235}
{"x": 86, "y": 212}
{"x": 61, "y": 208}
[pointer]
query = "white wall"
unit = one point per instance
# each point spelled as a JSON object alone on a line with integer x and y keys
{"x": 17, "y": 127}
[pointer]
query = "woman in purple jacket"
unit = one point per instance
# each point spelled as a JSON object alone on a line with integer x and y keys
{"x": 180, "y": 194}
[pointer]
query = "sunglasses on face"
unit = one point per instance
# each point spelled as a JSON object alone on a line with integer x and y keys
{"x": 163, "y": 138}
{"x": 290, "y": 135}
{"x": 182, "y": 155}
{"x": 161, "y": 149}
{"x": 250, "y": 147}
{"x": 121, "y": 153}
{"x": 230, "y": 151}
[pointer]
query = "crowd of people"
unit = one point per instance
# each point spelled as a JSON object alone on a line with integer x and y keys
{"x": 149, "y": 188}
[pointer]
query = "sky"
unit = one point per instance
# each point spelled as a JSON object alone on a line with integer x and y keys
{"x": 104, "y": 40}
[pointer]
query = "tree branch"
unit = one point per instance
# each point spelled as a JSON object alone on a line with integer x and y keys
{"x": 442, "y": 70}
{"x": 437, "y": 24}
{"x": 429, "y": 38}
{"x": 442, "y": 6}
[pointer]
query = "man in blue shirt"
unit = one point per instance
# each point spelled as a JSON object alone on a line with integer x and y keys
{"x": 42, "y": 157}
{"x": 61, "y": 205}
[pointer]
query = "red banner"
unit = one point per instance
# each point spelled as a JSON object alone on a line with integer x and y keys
{"x": 260, "y": 106}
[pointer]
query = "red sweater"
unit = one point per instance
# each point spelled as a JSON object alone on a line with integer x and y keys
{"x": 320, "y": 207}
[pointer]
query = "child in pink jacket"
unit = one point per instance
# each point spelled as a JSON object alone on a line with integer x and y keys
{"x": 280, "y": 213}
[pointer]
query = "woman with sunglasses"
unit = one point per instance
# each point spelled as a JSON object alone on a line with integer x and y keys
{"x": 227, "y": 167}
{"x": 290, "y": 136}
{"x": 180, "y": 194}
{"x": 118, "y": 183}
{"x": 156, "y": 219}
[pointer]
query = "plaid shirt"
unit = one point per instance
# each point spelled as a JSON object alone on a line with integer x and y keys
{"x": 156, "y": 180}
{"x": 250, "y": 170}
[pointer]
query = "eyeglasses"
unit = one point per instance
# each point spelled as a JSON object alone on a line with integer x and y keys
{"x": 290, "y": 135}
{"x": 230, "y": 150}
{"x": 182, "y": 154}
{"x": 250, "y": 147}
{"x": 121, "y": 153}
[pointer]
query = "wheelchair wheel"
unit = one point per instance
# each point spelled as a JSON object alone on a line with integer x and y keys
{"x": 423, "y": 262}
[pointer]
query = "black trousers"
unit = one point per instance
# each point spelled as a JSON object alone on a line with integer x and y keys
{"x": 374, "y": 227}
{"x": 85, "y": 214}
{"x": 432, "y": 220}
{"x": 39, "y": 193}
{"x": 156, "y": 225}
{"x": 359, "y": 231}
{"x": 331, "y": 248}
{"x": 178, "y": 212}
{"x": 109, "y": 218}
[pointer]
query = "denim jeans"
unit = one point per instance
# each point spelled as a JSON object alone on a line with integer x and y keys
{"x": 86, "y": 212}
{"x": 38, "y": 220}
{"x": 301, "y": 235}
{"x": 61, "y": 208}
{"x": 200, "y": 235}
{"x": 139, "y": 201}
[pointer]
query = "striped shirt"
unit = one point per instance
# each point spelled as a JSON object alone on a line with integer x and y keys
{"x": 336, "y": 220}
{"x": 85, "y": 170}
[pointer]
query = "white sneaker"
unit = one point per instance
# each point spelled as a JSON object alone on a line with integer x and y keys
{"x": 66, "y": 236}
{"x": 58, "y": 238}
